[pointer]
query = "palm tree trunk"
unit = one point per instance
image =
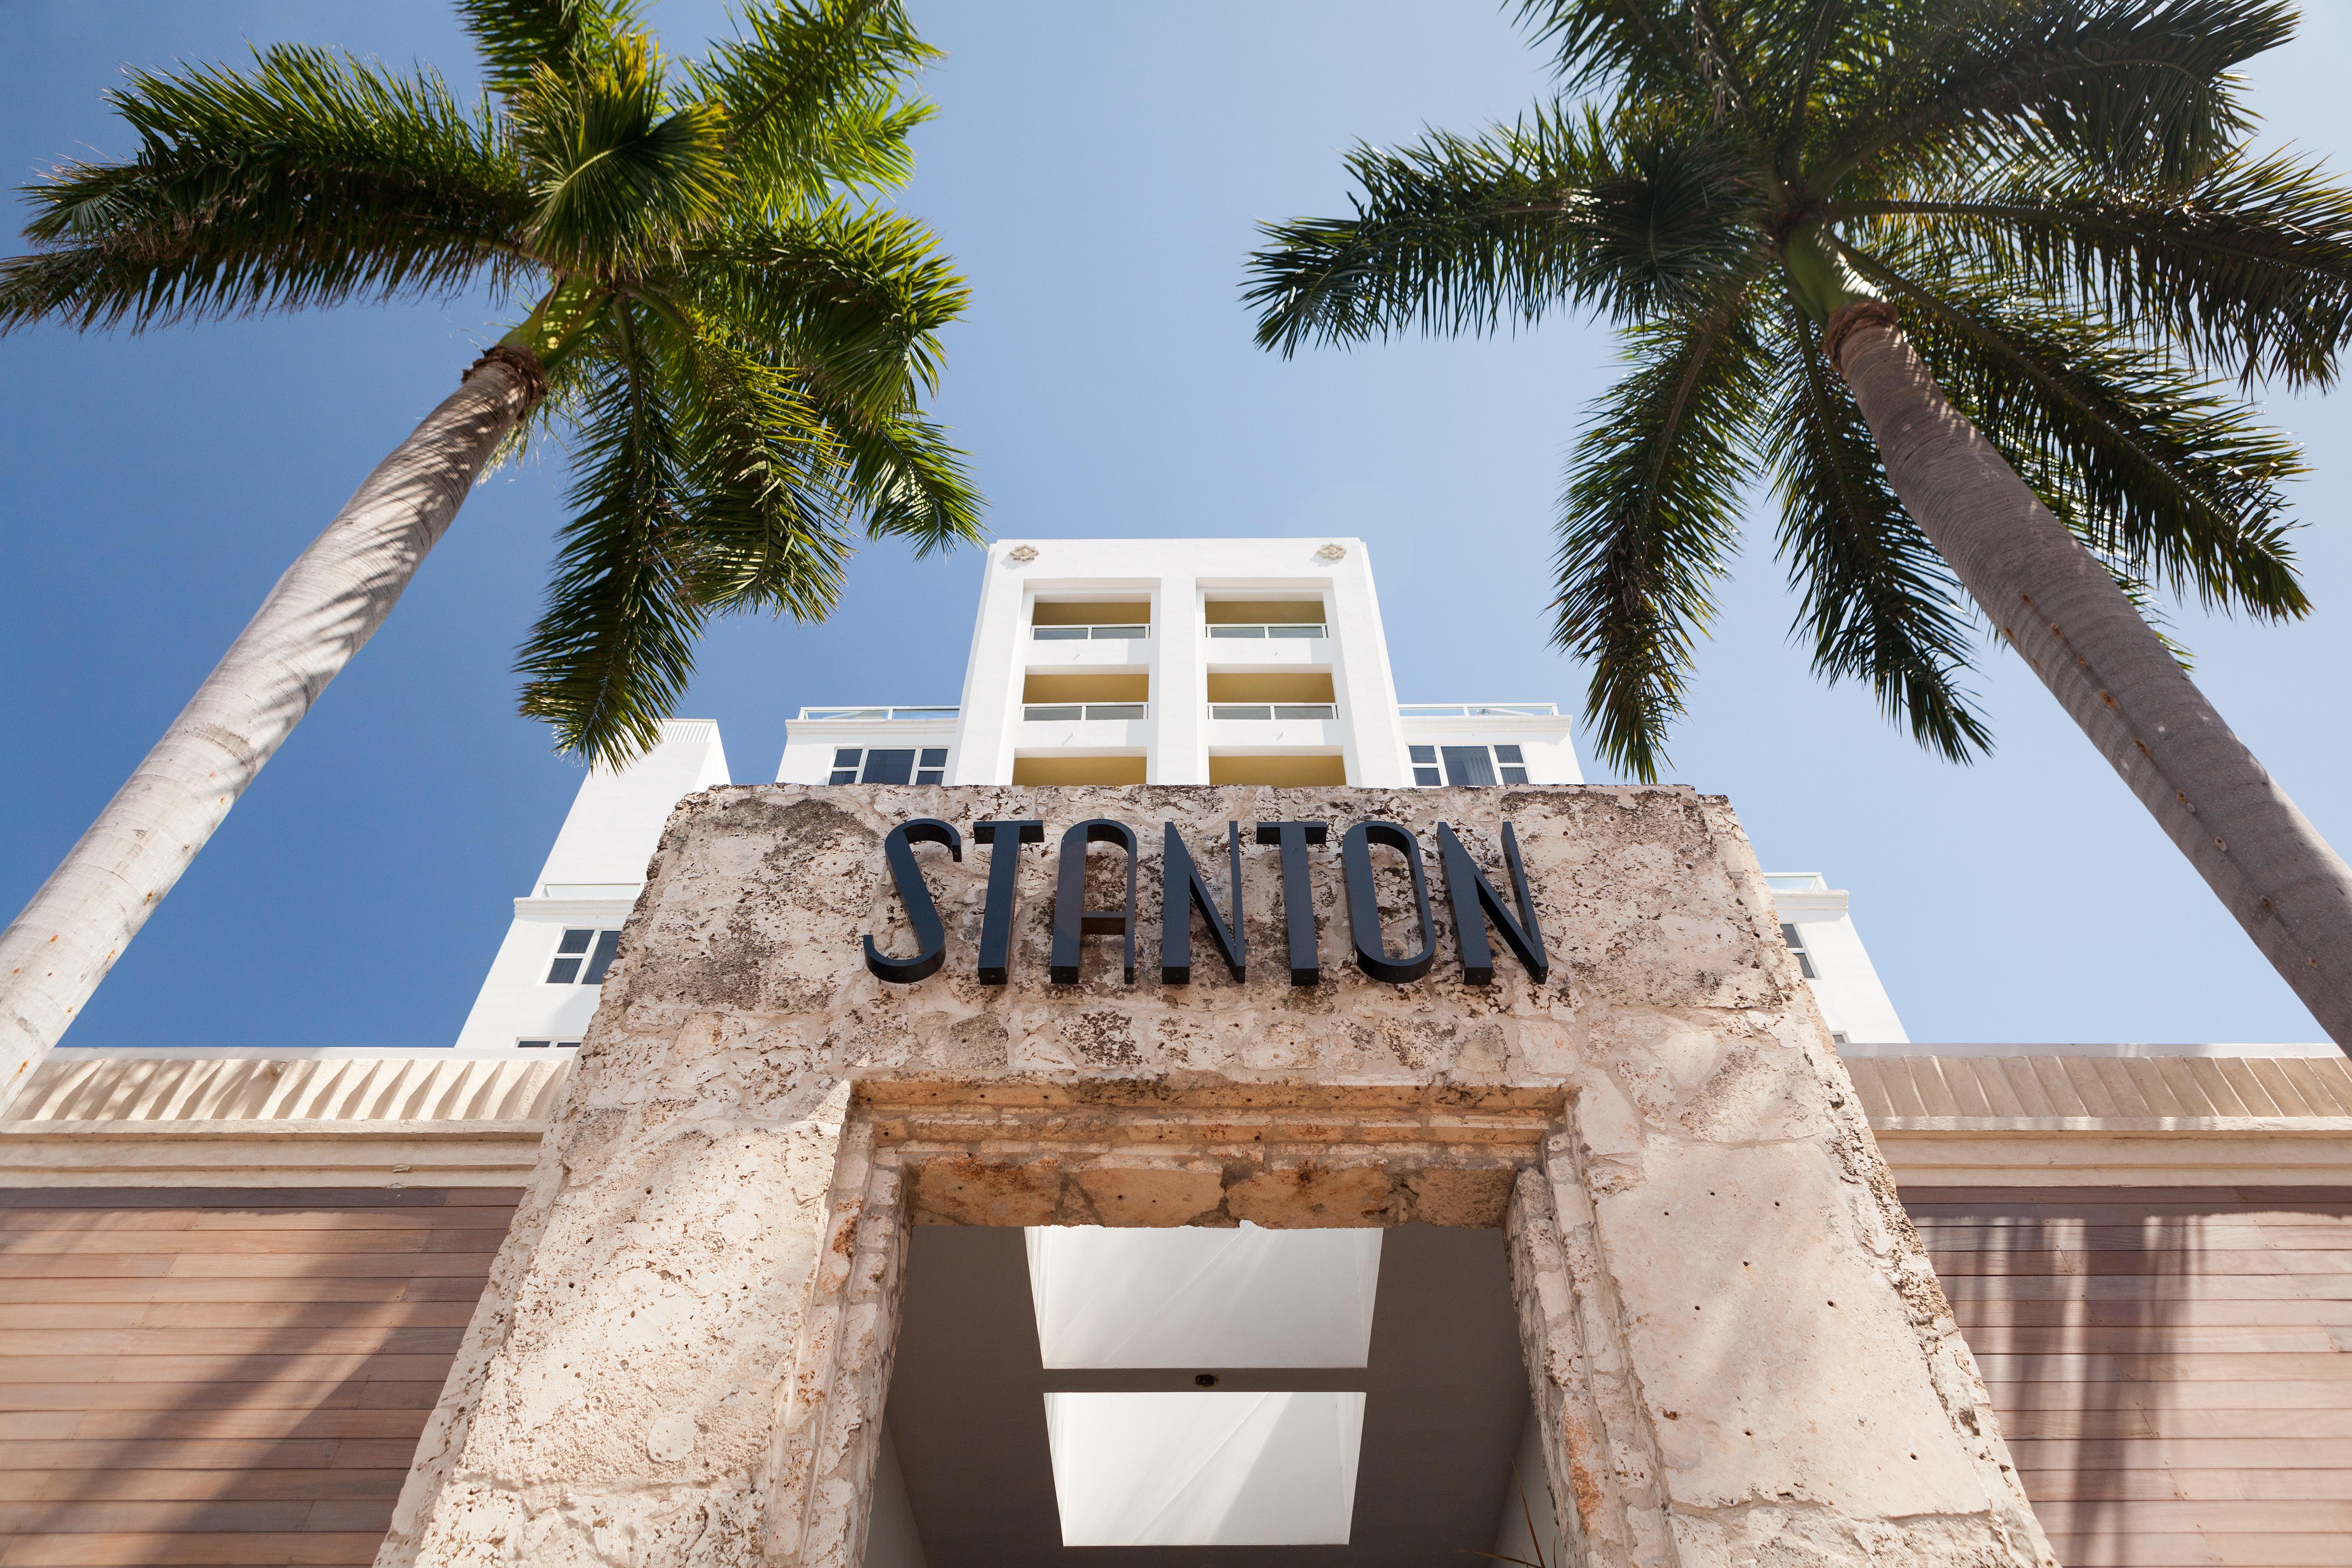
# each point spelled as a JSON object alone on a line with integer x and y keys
{"x": 2058, "y": 608}
{"x": 322, "y": 611}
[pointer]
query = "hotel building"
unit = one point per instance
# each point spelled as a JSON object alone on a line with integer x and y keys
{"x": 237, "y": 1285}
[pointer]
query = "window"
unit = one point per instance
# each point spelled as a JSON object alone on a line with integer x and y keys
{"x": 1797, "y": 945}
{"x": 582, "y": 955}
{"x": 543, "y": 1045}
{"x": 1468, "y": 765}
{"x": 889, "y": 765}
{"x": 1471, "y": 765}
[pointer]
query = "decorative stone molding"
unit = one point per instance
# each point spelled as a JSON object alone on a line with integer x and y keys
{"x": 284, "y": 1118}
{"x": 1332, "y": 552}
{"x": 1025, "y": 553}
{"x": 1733, "y": 1337}
{"x": 2074, "y": 1119}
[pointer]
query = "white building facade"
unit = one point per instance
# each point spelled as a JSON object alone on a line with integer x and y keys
{"x": 1164, "y": 661}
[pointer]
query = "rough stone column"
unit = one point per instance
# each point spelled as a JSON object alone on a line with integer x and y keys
{"x": 628, "y": 1379}
{"x": 1739, "y": 1351}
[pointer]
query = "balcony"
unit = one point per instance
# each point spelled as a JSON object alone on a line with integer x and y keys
{"x": 883, "y": 715}
{"x": 1085, "y": 712}
{"x": 1090, "y": 620}
{"x": 1479, "y": 710}
{"x": 1270, "y": 711}
{"x": 1123, "y": 632}
{"x": 1263, "y": 621}
{"x": 1313, "y": 631}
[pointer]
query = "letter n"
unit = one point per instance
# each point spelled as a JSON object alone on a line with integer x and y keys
{"x": 1474, "y": 903}
{"x": 1182, "y": 893}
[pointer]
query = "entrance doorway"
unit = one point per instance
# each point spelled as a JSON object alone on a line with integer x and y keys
{"x": 1249, "y": 1397}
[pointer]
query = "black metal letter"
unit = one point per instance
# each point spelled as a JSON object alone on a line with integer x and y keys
{"x": 930, "y": 937}
{"x": 1004, "y": 840}
{"x": 1475, "y": 902}
{"x": 1297, "y": 894}
{"x": 1184, "y": 892}
{"x": 1364, "y": 903}
{"x": 1073, "y": 921}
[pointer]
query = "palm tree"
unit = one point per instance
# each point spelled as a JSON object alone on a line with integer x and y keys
{"x": 731, "y": 338}
{"x": 1958, "y": 275}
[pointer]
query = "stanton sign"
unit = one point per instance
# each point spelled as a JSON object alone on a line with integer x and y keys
{"x": 1474, "y": 900}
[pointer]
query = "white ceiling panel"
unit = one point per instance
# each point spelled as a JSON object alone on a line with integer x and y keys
{"x": 1244, "y": 1298}
{"x": 1206, "y": 1469}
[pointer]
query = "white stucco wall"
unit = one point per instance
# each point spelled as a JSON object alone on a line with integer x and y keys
{"x": 590, "y": 878}
{"x": 1177, "y": 577}
{"x": 1845, "y": 985}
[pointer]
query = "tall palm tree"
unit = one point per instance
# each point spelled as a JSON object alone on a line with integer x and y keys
{"x": 1958, "y": 275}
{"x": 730, "y": 337}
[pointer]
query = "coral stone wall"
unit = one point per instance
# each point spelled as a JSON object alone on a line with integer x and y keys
{"x": 1737, "y": 1346}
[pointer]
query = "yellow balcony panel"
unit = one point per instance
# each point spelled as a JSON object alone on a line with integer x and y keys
{"x": 1282, "y": 772}
{"x": 1263, "y": 612}
{"x": 1078, "y": 770}
{"x": 1289, "y": 686}
{"x": 1091, "y": 689}
{"x": 1098, "y": 613}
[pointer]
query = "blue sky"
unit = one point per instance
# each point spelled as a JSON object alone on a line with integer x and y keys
{"x": 1097, "y": 169}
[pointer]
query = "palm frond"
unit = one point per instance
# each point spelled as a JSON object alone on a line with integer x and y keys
{"x": 520, "y": 37}
{"x": 815, "y": 95}
{"x": 1640, "y": 47}
{"x": 613, "y": 653}
{"x": 905, "y": 479}
{"x": 2250, "y": 267}
{"x": 620, "y": 177}
{"x": 1879, "y": 605}
{"x": 1651, "y": 519}
{"x": 2140, "y": 90}
{"x": 855, "y": 297}
{"x": 311, "y": 179}
{"x": 2151, "y": 462}
{"x": 764, "y": 510}
{"x": 1453, "y": 236}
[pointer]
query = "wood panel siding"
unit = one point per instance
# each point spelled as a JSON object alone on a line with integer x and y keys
{"x": 225, "y": 1376}
{"x": 239, "y": 1376}
{"x": 2170, "y": 1364}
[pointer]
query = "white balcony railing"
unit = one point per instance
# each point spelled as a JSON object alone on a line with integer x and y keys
{"x": 1122, "y": 631}
{"x": 1052, "y": 712}
{"x": 1310, "y": 630}
{"x": 898, "y": 715}
{"x": 1270, "y": 711}
{"x": 1480, "y": 709}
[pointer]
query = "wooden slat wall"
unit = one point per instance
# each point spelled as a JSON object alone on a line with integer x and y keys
{"x": 240, "y": 1377}
{"x": 2170, "y": 1365}
{"x": 225, "y": 1377}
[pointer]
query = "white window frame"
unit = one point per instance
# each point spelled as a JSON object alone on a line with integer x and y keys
{"x": 1430, "y": 766}
{"x": 601, "y": 941}
{"x": 924, "y": 772}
